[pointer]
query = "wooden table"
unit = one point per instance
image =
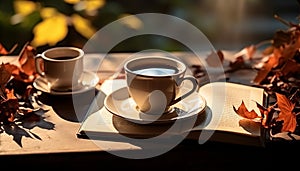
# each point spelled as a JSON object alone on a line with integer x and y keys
{"x": 58, "y": 146}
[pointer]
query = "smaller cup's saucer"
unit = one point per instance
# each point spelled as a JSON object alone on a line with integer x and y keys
{"x": 88, "y": 81}
{"x": 121, "y": 104}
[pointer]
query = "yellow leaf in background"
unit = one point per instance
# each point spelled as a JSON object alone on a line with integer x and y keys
{"x": 94, "y": 5}
{"x": 132, "y": 21}
{"x": 48, "y": 12}
{"x": 89, "y": 6}
{"x": 83, "y": 26}
{"x": 72, "y": 1}
{"x": 50, "y": 31}
{"x": 24, "y": 7}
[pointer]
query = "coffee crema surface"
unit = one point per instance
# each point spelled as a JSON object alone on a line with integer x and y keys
{"x": 156, "y": 71}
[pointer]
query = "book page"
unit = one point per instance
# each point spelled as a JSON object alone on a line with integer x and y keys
{"x": 219, "y": 115}
{"x": 96, "y": 122}
{"x": 222, "y": 96}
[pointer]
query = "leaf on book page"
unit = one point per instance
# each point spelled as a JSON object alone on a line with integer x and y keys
{"x": 286, "y": 113}
{"x": 244, "y": 112}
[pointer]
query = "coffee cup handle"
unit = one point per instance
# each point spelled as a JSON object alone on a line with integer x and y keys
{"x": 38, "y": 61}
{"x": 195, "y": 86}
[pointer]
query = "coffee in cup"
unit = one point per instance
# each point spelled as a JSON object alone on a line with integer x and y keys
{"x": 154, "y": 83}
{"x": 61, "y": 66}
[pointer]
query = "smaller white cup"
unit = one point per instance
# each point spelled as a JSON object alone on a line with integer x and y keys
{"x": 61, "y": 66}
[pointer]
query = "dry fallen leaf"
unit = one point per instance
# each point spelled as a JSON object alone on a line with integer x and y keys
{"x": 26, "y": 60}
{"x": 290, "y": 67}
{"x": 3, "y": 51}
{"x": 17, "y": 99}
{"x": 244, "y": 112}
{"x": 4, "y": 75}
{"x": 9, "y": 106}
{"x": 14, "y": 85}
{"x": 264, "y": 113}
{"x": 286, "y": 113}
{"x": 267, "y": 67}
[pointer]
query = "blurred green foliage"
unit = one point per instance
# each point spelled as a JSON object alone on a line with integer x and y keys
{"x": 227, "y": 24}
{"x": 48, "y": 23}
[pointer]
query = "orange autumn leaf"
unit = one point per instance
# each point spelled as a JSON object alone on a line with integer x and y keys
{"x": 266, "y": 114}
{"x": 286, "y": 113}
{"x": 262, "y": 109}
{"x": 12, "y": 69}
{"x": 289, "y": 50}
{"x": 244, "y": 112}
{"x": 9, "y": 106}
{"x": 268, "y": 66}
{"x": 10, "y": 94}
{"x": 16, "y": 72}
{"x": 290, "y": 67}
{"x": 3, "y": 51}
{"x": 26, "y": 60}
{"x": 4, "y": 75}
{"x": 286, "y": 46}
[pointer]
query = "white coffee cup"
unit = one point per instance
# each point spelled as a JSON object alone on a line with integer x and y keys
{"x": 154, "y": 83}
{"x": 62, "y": 67}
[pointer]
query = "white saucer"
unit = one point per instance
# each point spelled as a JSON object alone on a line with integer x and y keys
{"x": 121, "y": 104}
{"x": 88, "y": 81}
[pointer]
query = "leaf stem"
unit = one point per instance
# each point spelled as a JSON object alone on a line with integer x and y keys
{"x": 13, "y": 48}
{"x": 293, "y": 95}
{"x": 283, "y": 21}
{"x": 261, "y": 43}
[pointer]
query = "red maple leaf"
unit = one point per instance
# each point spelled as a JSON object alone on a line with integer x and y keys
{"x": 287, "y": 115}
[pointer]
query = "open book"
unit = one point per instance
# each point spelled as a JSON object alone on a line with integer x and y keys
{"x": 225, "y": 125}
{"x": 218, "y": 122}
